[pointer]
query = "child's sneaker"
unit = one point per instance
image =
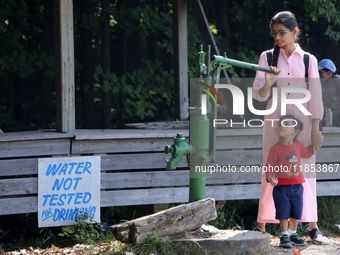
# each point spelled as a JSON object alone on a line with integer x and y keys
{"x": 295, "y": 239}
{"x": 285, "y": 242}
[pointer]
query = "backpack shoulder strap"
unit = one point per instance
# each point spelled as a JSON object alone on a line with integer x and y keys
{"x": 306, "y": 62}
{"x": 269, "y": 57}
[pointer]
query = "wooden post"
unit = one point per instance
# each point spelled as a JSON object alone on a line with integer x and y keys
{"x": 64, "y": 65}
{"x": 181, "y": 59}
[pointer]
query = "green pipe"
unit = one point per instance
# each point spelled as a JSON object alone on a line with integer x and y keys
{"x": 179, "y": 148}
{"x": 203, "y": 68}
{"x": 196, "y": 188}
{"x": 233, "y": 62}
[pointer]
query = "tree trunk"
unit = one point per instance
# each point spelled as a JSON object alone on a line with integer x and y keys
{"x": 106, "y": 98}
{"x": 169, "y": 222}
{"x": 87, "y": 62}
{"x": 48, "y": 83}
{"x": 223, "y": 19}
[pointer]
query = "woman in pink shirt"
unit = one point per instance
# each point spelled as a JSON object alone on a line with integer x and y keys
{"x": 288, "y": 59}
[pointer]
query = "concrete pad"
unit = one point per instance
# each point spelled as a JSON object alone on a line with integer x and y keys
{"x": 230, "y": 242}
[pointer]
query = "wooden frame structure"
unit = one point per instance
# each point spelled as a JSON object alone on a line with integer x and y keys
{"x": 133, "y": 167}
{"x": 132, "y": 161}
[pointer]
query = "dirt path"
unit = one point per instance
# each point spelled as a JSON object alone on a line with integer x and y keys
{"x": 332, "y": 249}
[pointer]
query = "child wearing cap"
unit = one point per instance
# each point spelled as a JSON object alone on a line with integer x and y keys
{"x": 330, "y": 82}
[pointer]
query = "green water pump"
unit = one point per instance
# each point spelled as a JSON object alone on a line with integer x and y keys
{"x": 201, "y": 148}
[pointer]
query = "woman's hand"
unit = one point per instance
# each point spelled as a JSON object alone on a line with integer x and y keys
{"x": 270, "y": 80}
{"x": 271, "y": 77}
{"x": 317, "y": 137}
{"x": 317, "y": 140}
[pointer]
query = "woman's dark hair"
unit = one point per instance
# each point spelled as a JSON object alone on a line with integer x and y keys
{"x": 299, "y": 124}
{"x": 287, "y": 19}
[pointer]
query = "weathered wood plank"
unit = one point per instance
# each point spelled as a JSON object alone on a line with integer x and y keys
{"x": 181, "y": 195}
{"x": 33, "y": 135}
{"x": 116, "y": 141}
{"x": 328, "y": 188}
{"x": 127, "y": 134}
{"x": 84, "y": 134}
{"x": 161, "y": 196}
{"x": 120, "y": 146}
{"x": 64, "y": 65}
{"x": 18, "y": 205}
{"x": 18, "y": 186}
{"x": 137, "y": 161}
{"x": 254, "y": 157}
{"x": 13, "y": 167}
{"x": 328, "y": 155}
{"x": 161, "y": 125}
{"x": 172, "y": 221}
{"x": 34, "y": 148}
{"x": 144, "y": 196}
{"x": 136, "y": 180}
{"x": 234, "y": 192}
{"x": 249, "y": 158}
{"x": 238, "y": 142}
{"x": 144, "y": 179}
{"x": 180, "y": 59}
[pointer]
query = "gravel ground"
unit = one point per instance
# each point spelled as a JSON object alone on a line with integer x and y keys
{"x": 332, "y": 249}
{"x": 106, "y": 248}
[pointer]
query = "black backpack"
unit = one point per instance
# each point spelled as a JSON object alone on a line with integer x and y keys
{"x": 305, "y": 61}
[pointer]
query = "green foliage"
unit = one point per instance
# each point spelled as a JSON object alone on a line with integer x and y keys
{"x": 84, "y": 231}
{"x": 9, "y": 124}
{"x": 329, "y": 213}
{"x": 16, "y": 53}
{"x": 274, "y": 229}
{"x": 144, "y": 90}
{"x": 166, "y": 246}
{"x": 3, "y": 233}
{"x": 141, "y": 84}
{"x": 229, "y": 217}
{"x": 328, "y": 11}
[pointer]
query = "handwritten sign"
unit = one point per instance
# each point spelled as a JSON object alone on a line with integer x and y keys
{"x": 67, "y": 188}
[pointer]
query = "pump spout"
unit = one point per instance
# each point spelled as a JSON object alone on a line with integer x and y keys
{"x": 180, "y": 148}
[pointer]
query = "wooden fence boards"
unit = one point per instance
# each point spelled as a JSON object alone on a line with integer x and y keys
{"x": 119, "y": 146}
{"x": 134, "y": 165}
{"x": 144, "y": 179}
{"x": 19, "y": 186}
{"x": 137, "y": 161}
{"x": 12, "y": 167}
{"x": 34, "y": 148}
{"x": 18, "y": 205}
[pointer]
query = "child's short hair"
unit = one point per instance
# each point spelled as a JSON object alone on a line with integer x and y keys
{"x": 299, "y": 124}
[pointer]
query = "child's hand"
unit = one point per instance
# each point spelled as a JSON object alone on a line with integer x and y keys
{"x": 273, "y": 181}
{"x": 320, "y": 137}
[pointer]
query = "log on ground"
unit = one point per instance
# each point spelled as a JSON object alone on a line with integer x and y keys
{"x": 169, "y": 222}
